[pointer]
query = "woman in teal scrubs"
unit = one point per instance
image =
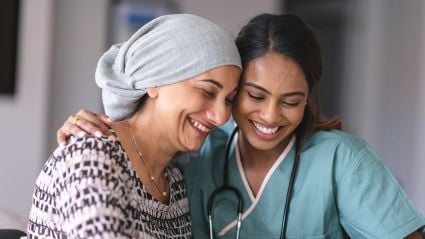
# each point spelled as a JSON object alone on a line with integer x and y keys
{"x": 340, "y": 185}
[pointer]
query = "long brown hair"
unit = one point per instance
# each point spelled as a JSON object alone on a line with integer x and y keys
{"x": 289, "y": 35}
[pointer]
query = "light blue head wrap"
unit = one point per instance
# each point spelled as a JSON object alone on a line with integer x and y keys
{"x": 167, "y": 50}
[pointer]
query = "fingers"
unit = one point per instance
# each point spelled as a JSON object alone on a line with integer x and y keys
{"x": 84, "y": 122}
{"x": 69, "y": 128}
{"x": 93, "y": 123}
{"x": 107, "y": 121}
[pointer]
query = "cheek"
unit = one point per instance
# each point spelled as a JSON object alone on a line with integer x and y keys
{"x": 242, "y": 105}
{"x": 297, "y": 116}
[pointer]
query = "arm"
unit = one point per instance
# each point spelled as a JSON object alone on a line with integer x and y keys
{"x": 371, "y": 201}
{"x": 89, "y": 192}
{"x": 82, "y": 123}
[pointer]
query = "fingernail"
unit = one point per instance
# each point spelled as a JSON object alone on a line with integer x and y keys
{"x": 81, "y": 134}
{"x": 62, "y": 144}
{"x": 98, "y": 134}
{"x": 110, "y": 121}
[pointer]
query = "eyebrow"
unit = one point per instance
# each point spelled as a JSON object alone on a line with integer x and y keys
{"x": 216, "y": 83}
{"x": 295, "y": 93}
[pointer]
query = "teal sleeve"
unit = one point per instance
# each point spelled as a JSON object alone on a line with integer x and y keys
{"x": 371, "y": 202}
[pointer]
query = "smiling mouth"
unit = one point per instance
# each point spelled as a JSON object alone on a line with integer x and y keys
{"x": 265, "y": 130}
{"x": 198, "y": 125}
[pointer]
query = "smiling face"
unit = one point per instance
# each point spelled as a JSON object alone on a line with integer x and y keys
{"x": 271, "y": 101}
{"x": 189, "y": 110}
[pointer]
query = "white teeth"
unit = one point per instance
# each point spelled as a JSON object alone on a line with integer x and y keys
{"x": 199, "y": 126}
{"x": 264, "y": 129}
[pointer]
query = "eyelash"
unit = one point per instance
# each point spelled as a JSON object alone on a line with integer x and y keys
{"x": 255, "y": 97}
{"x": 211, "y": 95}
{"x": 290, "y": 105}
{"x": 208, "y": 93}
{"x": 285, "y": 104}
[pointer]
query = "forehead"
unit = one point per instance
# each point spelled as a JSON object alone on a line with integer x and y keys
{"x": 225, "y": 75}
{"x": 275, "y": 71}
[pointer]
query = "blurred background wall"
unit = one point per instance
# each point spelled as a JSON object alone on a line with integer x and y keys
{"x": 374, "y": 56}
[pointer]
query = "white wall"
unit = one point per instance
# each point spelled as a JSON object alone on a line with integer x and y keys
{"x": 60, "y": 43}
{"x": 23, "y": 116}
{"x": 80, "y": 33}
{"x": 418, "y": 140}
{"x": 231, "y": 15}
{"x": 384, "y": 86}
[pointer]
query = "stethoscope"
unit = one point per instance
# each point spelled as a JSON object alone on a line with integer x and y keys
{"x": 227, "y": 187}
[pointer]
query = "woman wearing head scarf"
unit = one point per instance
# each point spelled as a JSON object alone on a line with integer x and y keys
{"x": 163, "y": 100}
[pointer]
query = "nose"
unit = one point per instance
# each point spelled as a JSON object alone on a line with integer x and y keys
{"x": 270, "y": 113}
{"x": 218, "y": 112}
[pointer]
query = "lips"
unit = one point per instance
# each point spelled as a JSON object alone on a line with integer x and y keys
{"x": 264, "y": 129}
{"x": 199, "y": 126}
{"x": 265, "y": 132}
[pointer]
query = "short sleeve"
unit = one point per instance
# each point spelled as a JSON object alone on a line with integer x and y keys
{"x": 89, "y": 190}
{"x": 372, "y": 203}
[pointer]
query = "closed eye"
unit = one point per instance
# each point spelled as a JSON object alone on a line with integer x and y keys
{"x": 208, "y": 93}
{"x": 290, "y": 104}
{"x": 257, "y": 98}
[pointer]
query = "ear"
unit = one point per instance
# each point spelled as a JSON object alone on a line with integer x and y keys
{"x": 153, "y": 92}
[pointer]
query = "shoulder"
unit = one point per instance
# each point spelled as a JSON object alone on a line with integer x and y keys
{"x": 346, "y": 153}
{"x": 340, "y": 143}
{"x": 89, "y": 145}
{"x": 339, "y": 138}
{"x": 84, "y": 154}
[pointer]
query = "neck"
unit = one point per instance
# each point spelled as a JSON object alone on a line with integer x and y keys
{"x": 258, "y": 158}
{"x": 155, "y": 154}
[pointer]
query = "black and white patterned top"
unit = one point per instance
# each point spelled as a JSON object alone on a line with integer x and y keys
{"x": 89, "y": 189}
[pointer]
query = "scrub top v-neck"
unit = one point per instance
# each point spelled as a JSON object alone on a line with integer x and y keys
{"x": 336, "y": 186}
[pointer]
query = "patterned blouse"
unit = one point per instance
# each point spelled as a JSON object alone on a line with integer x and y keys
{"x": 89, "y": 189}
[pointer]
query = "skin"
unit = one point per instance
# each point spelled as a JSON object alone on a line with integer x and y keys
{"x": 273, "y": 93}
{"x": 186, "y": 112}
{"x": 174, "y": 118}
{"x": 273, "y": 96}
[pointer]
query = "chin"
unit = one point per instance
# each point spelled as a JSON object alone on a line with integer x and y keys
{"x": 264, "y": 145}
{"x": 193, "y": 146}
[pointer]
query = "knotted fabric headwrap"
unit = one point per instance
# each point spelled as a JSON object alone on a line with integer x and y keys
{"x": 167, "y": 50}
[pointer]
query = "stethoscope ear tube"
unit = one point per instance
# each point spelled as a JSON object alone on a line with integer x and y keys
{"x": 226, "y": 187}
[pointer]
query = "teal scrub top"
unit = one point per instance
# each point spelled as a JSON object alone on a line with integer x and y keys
{"x": 340, "y": 182}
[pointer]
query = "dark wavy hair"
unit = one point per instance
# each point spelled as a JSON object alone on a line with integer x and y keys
{"x": 289, "y": 35}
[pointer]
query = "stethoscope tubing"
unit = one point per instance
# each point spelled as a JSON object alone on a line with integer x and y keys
{"x": 227, "y": 187}
{"x": 289, "y": 192}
